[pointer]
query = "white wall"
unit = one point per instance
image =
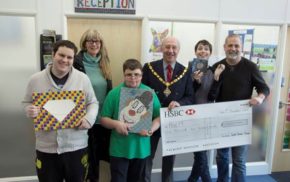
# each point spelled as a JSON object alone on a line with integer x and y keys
{"x": 205, "y": 9}
{"x": 270, "y": 11}
{"x": 17, "y": 5}
{"x": 288, "y": 12}
{"x": 50, "y": 13}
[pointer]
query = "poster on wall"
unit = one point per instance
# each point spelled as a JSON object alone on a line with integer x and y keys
{"x": 47, "y": 39}
{"x": 264, "y": 55}
{"x": 247, "y": 37}
{"x": 286, "y": 134}
{"x": 158, "y": 31}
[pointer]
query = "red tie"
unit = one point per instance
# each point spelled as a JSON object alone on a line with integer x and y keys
{"x": 169, "y": 73}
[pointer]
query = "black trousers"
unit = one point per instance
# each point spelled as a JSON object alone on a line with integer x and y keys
{"x": 98, "y": 149}
{"x": 127, "y": 170}
{"x": 69, "y": 166}
{"x": 167, "y": 163}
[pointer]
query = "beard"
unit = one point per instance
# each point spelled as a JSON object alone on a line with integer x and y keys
{"x": 233, "y": 55}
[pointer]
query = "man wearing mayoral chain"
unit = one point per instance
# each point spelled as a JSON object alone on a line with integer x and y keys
{"x": 172, "y": 83}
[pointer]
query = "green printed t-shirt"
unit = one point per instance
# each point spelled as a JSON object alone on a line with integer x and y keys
{"x": 133, "y": 145}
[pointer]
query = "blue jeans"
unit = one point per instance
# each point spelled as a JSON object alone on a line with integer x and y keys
{"x": 239, "y": 154}
{"x": 200, "y": 168}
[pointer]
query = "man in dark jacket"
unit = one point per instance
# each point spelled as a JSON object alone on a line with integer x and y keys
{"x": 172, "y": 83}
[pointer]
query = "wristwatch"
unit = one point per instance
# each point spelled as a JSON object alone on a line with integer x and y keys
{"x": 149, "y": 132}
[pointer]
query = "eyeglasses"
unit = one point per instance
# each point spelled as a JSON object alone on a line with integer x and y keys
{"x": 93, "y": 41}
{"x": 136, "y": 75}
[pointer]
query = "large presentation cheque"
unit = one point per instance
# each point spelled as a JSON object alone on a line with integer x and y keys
{"x": 206, "y": 126}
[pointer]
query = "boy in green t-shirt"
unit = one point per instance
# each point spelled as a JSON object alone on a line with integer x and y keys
{"x": 128, "y": 151}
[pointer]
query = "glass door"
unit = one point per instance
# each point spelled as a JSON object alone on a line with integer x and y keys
{"x": 260, "y": 45}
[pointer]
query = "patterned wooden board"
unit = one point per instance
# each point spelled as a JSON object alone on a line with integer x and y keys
{"x": 46, "y": 121}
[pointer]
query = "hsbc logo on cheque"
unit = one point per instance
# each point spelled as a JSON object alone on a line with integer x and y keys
{"x": 190, "y": 111}
{"x": 176, "y": 113}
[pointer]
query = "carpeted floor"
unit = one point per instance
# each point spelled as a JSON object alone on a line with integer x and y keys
{"x": 281, "y": 176}
{"x": 274, "y": 177}
{"x": 263, "y": 178}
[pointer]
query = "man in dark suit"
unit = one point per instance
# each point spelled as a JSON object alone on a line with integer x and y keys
{"x": 172, "y": 83}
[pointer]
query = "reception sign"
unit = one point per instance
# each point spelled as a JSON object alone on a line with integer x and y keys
{"x": 106, "y": 6}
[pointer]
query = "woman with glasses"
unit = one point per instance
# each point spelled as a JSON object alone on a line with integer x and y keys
{"x": 93, "y": 60}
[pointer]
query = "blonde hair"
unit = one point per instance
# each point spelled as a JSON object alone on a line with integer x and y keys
{"x": 105, "y": 61}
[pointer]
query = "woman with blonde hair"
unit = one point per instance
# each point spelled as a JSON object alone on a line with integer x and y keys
{"x": 93, "y": 60}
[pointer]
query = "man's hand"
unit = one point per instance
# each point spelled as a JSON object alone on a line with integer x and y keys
{"x": 83, "y": 124}
{"x": 257, "y": 100}
{"x": 146, "y": 132}
{"x": 122, "y": 128}
{"x": 173, "y": 104}
{"x": 218, "y": 71}
{"x": 32, "y": 111}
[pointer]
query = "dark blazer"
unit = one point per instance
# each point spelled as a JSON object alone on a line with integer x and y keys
{"x": 181, "y": 91}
